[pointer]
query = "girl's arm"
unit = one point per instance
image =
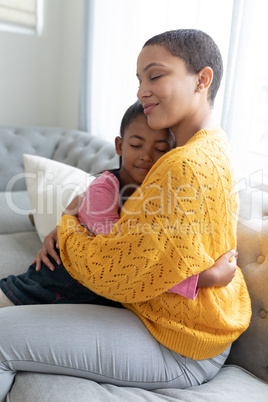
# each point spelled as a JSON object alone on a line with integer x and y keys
{"x": 220, "y": 274}
{"x": 73, "y": 207}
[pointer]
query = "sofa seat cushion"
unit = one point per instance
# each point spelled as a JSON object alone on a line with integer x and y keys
{"x": 232, "y": 384}
{"x": 15, "y": 209}
{"x": 17, "y": 251}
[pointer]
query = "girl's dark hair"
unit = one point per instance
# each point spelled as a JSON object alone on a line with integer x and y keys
{"x": 131, "y": 114}
{"x": 197, "y": 49}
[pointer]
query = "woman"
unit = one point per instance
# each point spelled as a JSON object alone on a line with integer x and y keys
{"x": 178, "y": 223}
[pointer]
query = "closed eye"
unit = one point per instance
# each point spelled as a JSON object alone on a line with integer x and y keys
{"x": 162, "y": 150}
{"x": 155, "y": 77}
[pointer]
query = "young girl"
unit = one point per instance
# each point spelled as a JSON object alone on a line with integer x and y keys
{"x": 139, "y": 147}
{"x": 160, "y": 339}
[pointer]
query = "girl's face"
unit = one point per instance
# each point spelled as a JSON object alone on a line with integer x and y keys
{"x": 167, "y": 91}
{"x": 140, "y": 148}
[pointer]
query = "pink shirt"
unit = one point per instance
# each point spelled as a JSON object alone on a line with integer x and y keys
{"x": 99, "y": 211}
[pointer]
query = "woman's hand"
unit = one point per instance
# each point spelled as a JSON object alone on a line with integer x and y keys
{"x": 48, "y": 248}
{"x": 221, "y": 273}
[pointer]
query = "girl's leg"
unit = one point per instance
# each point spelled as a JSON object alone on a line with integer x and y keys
{"x": 4, "y": 301}
{"x": 101, "y": 343}
{"x": 47, "y": 287}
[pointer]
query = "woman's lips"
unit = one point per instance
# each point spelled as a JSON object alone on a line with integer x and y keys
{"x": 148, "y": 107}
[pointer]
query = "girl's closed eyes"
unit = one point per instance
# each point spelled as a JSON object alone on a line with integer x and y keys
{"x": 156, "y": 149}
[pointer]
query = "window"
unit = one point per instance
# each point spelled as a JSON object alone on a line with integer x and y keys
{"x": 20, "y": 15}
{"x": 246, "y": 101}
{"x": 117, "y": 30}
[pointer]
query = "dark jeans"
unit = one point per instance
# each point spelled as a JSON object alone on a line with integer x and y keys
{"x": 49, "y": 287}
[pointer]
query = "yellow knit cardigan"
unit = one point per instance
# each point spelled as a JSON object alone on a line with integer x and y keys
{"x": 180, "y": 220}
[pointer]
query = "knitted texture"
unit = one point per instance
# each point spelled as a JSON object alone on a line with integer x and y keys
{"x": 180, "y": 220}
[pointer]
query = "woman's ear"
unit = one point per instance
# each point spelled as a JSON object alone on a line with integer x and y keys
{"x": 205, "y": 77}
{"x": 118, "y": 145}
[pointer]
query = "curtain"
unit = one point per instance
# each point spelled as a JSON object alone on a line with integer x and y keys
{"x": 86, "y": 72}
{"x": 245, "y": 105}
{"x": 114, "y": 33}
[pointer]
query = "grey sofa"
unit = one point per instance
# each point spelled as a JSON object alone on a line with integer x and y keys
{"x": 243, "y": 378}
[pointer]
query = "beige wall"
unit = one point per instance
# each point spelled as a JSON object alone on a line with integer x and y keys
{"x": 40, "y": 75}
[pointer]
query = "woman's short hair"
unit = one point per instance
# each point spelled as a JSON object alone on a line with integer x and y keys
{"x": 197, "y": 49}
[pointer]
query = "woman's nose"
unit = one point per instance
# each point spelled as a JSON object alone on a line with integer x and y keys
{"x": 143, "y": 92}
{"x": 139, "y": 94}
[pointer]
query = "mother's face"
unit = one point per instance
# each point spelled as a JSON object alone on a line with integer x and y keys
{"x": 167, "y": 90}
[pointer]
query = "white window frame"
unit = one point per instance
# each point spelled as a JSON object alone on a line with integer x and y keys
{"x": 14, "y": 25}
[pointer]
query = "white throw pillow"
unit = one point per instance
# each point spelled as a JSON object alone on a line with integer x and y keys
{"x": 51, "y": 187}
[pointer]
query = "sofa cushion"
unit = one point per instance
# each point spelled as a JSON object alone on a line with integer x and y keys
{"x": 251, "y": 348}
{"x": 86, "y": 152}
{"x": 51, "y": 187}
{"x": 17, "y": 251}
{"x": 15, "y": 209}
{"x": 232, "y": 384}
{"x": 18, "y": 140}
